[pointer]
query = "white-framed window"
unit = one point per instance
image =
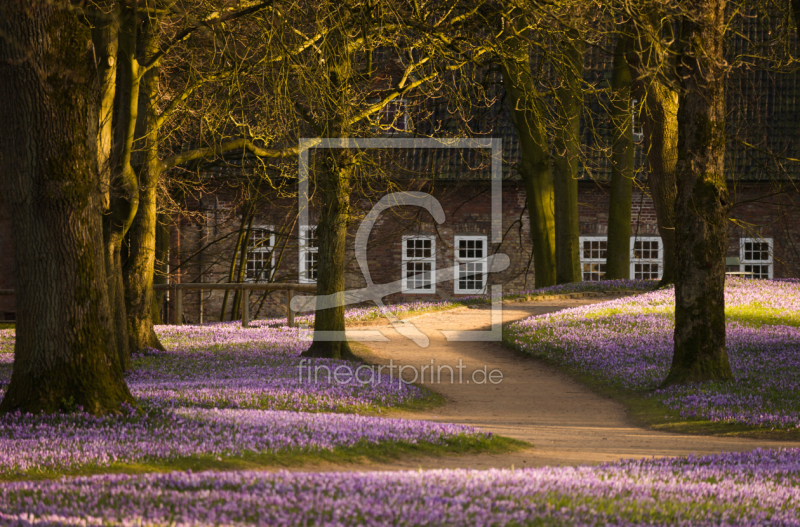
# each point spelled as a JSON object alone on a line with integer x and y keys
{"x": 309, "y": 254}
{"x": 419, "y": 264}
{"x": 260, "y": 254}
{"x": 470, "y": 268}
{"x": 593, "y": 258}
{"x": 636, "y": 122}
{"x": 393, "y": 117}
{"x": 647, "y": 258}
{"x": 755, "y": 256}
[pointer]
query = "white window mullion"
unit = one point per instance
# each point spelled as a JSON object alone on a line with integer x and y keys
{"x": 755, "y": 255}
{"x": 647, "y": 258}
{"x": 593, "y": 258}
{"x": 470, "y": 269}
{"x": 419, "y": 264}
{"x": 309, "y": 254}
{"x": 260, "y": 264}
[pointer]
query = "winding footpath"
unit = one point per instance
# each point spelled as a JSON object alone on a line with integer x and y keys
{"x": 566, "y": 422}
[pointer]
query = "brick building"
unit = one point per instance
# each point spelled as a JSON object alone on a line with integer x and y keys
{"x": 407, "y": 244}
{"x": 764, "y": 235}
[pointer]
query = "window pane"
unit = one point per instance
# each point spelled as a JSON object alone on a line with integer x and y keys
{"x": 311, "y": 265}
{"x": 311, "y": 237}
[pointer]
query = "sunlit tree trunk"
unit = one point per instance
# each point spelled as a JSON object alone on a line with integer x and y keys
{"x": 124, "y": 188}
{"x": 334, "y": 186}
{"x": 658, "y": 96}
{"x": 161, "y": 266}
{"x": 702, "y": 206}
{"x": 232, "y": 270}
{"x": 528, "y": 110}
{"x": 334, "y": 169}
{"x": 566, "y": 158}
{"x": 139, "y": 266}
{"x": 660, "y": 126}
{"x": 618, "y": 262}
{"x": 65, "y": 352}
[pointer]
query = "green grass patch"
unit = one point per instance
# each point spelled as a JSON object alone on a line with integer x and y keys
{"x": 360, "y": 453}
{"x": 758, "y": 315}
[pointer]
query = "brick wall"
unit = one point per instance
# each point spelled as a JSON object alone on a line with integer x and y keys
{"x": 761, "y": 210}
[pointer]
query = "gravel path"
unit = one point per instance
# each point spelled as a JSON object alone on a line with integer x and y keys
{"x": 566, "y": 423}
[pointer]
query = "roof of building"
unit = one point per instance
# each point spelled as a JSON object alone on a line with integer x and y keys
{"x": 763, "y": 123}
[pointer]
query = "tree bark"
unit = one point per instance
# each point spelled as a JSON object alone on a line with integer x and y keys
{"x": 65, "y": 351}
{"x": 160, "y": 267}
{"x": 124, "y": 188}
{"x": 655, "y": 87}
{"x": 569, "y": 97}
{"x": 618, "y": 262}
{"x": 660, "y": 126}
{"x": 528, "y": 111}
{"x": 223, "y": 312}
{"x": 140, "y": 264}
{"x": 702, "y": 206}
{"x": 236, "y": 310}
{"x": 336, "y": 170}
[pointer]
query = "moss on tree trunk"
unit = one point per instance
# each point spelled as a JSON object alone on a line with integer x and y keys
{"x": 336, "y": 172}
{"x": 702, "y": 205}
{"x": 528, "y": 113}
{"x": 65, "y": 352}
{"x": 618, "y": 262}
{"x": 656, "y": 90}
{"x": 566, "y": 157}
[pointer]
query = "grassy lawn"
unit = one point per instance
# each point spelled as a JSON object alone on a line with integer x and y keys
{"x": 307, "y": 459}
{"x": 227, "y": 398}
{"x": 623, "y": 349}
{"x": 754, "y": 488}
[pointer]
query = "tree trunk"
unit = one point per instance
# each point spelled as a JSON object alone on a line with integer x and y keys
{"x": 566, "y": 159}
{"x": 527, "y": 112}
{"x": 161, "y": 266}
{"x": 336, "y": 171}
{"x": 65, "y": 351}
{"x": 232, "y": 271}
{"x": 660, "y": 126}
{"x": 335, "y": 168}
{"x": 124, "y": 188}
{"x": 116, "y": 290}
{"x": 236, "y": 309}
{"x": 702, "y": 207}
{"x": 659, "y": 115}
{"x": 618, "y": 262}
{"x": 140, "y": 263}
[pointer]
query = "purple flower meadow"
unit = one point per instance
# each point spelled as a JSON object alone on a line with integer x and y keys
{"x": 59, "y": 442}
{"x": 227, "y": 366}
{"x": 755, "y": 488}
{"x": 221, "y": 394}
{"x": 628, "y": 343}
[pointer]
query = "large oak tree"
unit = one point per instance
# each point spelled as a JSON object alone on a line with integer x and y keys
{"x": 702, "y": 206}
{"x": 65, "y": 351}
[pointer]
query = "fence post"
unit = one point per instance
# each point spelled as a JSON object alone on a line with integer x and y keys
{"x": 245, "y": 307}
{"x": 289, "y": 312}
{"x": 178, "y": 306}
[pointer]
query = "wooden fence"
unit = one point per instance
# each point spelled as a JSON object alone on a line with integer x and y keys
{"x": 245, "y": 288}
